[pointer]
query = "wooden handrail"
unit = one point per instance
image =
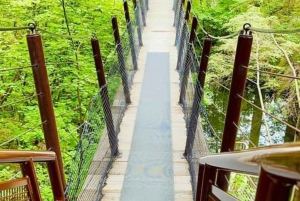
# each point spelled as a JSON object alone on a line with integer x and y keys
{"x": 279, "y": 162}
{"x": 16, "y": 156}
{"x": 26, "y": 159}
{"x": 249, "y": 161}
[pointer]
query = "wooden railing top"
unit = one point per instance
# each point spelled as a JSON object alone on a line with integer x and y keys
{"x": 26, "y": 159}
{"x": 272, "y": 158}
{"x": 18, "y": 156}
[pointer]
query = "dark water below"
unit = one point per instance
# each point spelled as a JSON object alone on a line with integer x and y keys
{"x": 252, "y": 127}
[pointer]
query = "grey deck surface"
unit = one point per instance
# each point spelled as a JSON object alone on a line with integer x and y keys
{"x": 149, "y": 174}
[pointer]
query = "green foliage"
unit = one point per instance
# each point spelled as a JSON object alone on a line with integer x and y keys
{"x": 213, "y": 14}
{"x": 70, "y": 67}
{"x": 241, "y": 186}
{"x": 224, "y": 17}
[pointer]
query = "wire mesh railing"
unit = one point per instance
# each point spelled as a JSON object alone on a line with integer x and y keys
{"x": 180, "y": 22}
{"x": 201, "y": 138}
{"x": 100, "y": 156}
{"x": 87, "y": 131}
{"x": 243, "y": 139}
{"x": 92, "y": 130}
{"x": 143, "y": 6}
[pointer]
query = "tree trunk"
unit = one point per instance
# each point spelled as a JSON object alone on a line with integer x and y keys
{"x": 256, "y": 123}
{"x": 289, "y": 132}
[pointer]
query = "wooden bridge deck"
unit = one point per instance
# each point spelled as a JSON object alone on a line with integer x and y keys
{"x": 158, "y": 36}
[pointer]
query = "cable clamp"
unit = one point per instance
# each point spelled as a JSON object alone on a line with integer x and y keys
{"x": 32, "y": 26}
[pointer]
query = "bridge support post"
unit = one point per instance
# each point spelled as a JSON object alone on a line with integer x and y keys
{"x": 28, "y": 169}
{"x": 208, "y": 177}
{"x": 137, "y": 11}
{"x": 237, "y": 88}
{"x": 121, "y": 59}
{"x": 37, "y": 58}
{"x": 200, "y": 178}
{"x": 197, "y": 97}
{"x": 183, "y": 37}
{"x": 113, "y": 139}
{"x": 272, "y": 187}
{"x": 130, "y": 35}
{"x": 187, "y": 61}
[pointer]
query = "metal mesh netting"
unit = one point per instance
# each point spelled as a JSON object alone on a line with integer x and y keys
{"x": 93, "y": 160}
{"x": 196, "y": 63}
{"x": 143, "y": 6}
{"x": 186, "y": 81}
{"x": 133, "y": 43}
{"x": 138, "y": 23}
{"x": 103, "y": 158}
{"x": 176, "y": 7}
{"x": 201, "y": 138}
{"x": 180, "y": 26}
{"x": 129, "y": 59}
{"x": 85, "y": 150}
{"x": 182, "y": 46}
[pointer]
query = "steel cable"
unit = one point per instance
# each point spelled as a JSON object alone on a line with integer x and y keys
{"x": 31, "y": 129}
{"x": 51, "y": 34}
{"x": 275, "y": 74}
{"x": 15, "y": 68}
{"x": 20, "y": 101}
{"x": 15, "y": 28}
{"x": 274, "y": 31}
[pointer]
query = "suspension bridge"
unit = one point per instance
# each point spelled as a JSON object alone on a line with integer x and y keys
{"x": 158, "y": 143}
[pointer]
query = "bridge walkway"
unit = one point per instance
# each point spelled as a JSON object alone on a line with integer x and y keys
{"x": 126, "y": 179}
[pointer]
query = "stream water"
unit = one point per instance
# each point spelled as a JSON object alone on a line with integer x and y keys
{"x": 253, "y": 131}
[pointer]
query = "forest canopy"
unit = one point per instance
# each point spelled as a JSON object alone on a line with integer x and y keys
{"x": 67, "y": 26}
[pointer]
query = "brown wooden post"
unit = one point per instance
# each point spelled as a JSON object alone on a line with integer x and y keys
{"x": 56, "y": 183}
{"x": 130, "y": 34}
{"x": 42, "y": 87}
{"x": 238, "y": 83}
{"x": 98, "y": 62}
{"x": 188, "y": 11}
{"x": 209, "y": 178}
{"x": 113, "y": 139}
{"x": 28, "y": 169}
{"x": 272, "y": 187}
{"x": 121, "y": 59}
{"x": 204, "y": 61}
{"x": 200, "y": 180}
{"x": 198, "y": 96}
{"x": 187, "y": 60}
